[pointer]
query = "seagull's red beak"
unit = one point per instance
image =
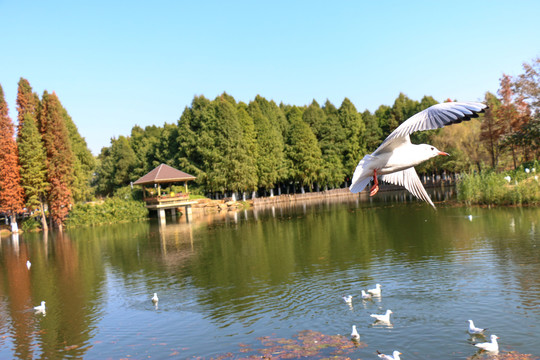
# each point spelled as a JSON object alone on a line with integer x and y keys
{"x": 443, "y": 153}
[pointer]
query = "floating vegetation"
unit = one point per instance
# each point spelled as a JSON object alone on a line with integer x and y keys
{"x": 511, "y": 355}
{"x": 307, "y": 343}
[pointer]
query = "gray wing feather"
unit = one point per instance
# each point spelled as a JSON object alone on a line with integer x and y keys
{"x": 409, "y": 179}
{"x": 435, "y": 117}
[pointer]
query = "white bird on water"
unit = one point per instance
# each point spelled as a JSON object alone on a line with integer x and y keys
{"x": 492, "y": 346}
{"x": 394, "y": 356}
{"x": 376, "y": 291}
{"x": 384, "y": 317}
{"x": 28, "y": 264}
{"x": 347, "y": 299}
{"x": 473, "y": 330}
{"x": 366, "y": 296}
{"x": 40, "y": 308}
{"x": 155, "y": 298}
{"x": 354, "y": 333}
{"x": 396, "y": 157}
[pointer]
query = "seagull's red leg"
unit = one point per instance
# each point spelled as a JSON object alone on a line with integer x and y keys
{"x": 375, "y": 188}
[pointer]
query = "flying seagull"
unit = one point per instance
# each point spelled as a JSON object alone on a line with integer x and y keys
{"x": 396, "y": 157}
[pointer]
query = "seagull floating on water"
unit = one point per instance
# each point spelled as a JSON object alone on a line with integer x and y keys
{"x": 155, "y": 298}
{"x": 384, "y": 318}
{"x": 347, "y": 299}
{"x": 40, "y": 308}
{"x": 396, "y": 157}
{"x": 492, "y": 346}
{"x": 354, "y": 333}
{"x": 28, "y": 264}
{"x": 366, "y": 296}
{"x": 473, "y": 330}
{"x": 376, "y": 291}
{"x": 395, "y": 355}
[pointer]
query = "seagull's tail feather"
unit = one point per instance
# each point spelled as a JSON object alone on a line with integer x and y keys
{"x": 361, "y": 176}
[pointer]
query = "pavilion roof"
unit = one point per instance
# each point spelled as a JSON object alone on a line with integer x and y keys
{"x": 164, "y": 174}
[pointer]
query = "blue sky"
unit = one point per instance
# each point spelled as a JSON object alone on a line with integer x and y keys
{"x": 116, "y": 64}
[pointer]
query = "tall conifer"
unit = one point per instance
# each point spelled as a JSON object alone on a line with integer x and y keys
{"x": 33, "y": 159}
{"x": 59, "y": 157}
{"x": 27, "y": 103}
{"x": 11, "y": 192}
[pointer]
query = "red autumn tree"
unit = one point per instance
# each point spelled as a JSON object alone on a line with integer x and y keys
{"x": 11, "y": 192}
{"x": 27, "y": 103}
{"x": 59, "y": 157}
{"x": 512, "y": 115}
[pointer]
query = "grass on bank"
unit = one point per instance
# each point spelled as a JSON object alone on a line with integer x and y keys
{"x": 516, "y": 187}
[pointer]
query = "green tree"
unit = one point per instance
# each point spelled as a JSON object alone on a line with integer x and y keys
{"x": 249, "y": 147}
{"x": 302, "y": 150}
{"x": 330, "y": 137}
{"x": 84, "y": 163}
{"x": 116, "y": 166}
{"x": 373, "y": 134}
{"x": 271, "y": 158}
{"x": 354, "y": 129}
{"x": 32, "y": 159}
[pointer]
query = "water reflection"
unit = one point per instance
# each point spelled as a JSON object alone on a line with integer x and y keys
{"x": 278, "y": 269}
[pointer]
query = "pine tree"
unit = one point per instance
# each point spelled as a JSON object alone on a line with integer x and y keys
{"x": 271, "y": 158}
{"x": 302, "y": 150}
{"x": 11, "y": 192}
{"x": 32, "y": 159}
{"x": 84, "y": 162}
{"x": 354, "y": 129}
{"x": 59, "y": 157}
{"x": 249, "y": 147}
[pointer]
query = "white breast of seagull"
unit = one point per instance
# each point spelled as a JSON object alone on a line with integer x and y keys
{"x": 396, "y": 157}
{"x": 492, "y": 346}
{"x": 354, "y": 333}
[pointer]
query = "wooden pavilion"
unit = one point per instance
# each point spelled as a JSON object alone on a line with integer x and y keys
{"x": 159, "y": 193}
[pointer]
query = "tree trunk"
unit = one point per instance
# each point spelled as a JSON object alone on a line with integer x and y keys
{"x": 43, "y": 218}
{"x": 14, "y": 226}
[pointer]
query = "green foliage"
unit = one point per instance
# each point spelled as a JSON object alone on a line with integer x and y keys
{"x": 32, "y": 159}
{"x": 116, "y": 166}
{"x": 302, "y": 150}
{"x": 491, "y": 188}
{"x": 112, "y": 210}
{"x": 84, "y": 163}
{"x": 30, "y": 224}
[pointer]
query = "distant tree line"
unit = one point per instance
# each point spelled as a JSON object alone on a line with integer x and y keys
{"x": 259, "y": 147}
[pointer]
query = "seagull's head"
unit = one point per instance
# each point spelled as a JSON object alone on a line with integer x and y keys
{"x": 494, "y": 337}
{"x": 431, "y": 151}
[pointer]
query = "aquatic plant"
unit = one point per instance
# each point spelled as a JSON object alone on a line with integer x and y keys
{"x": 307, "y": 343}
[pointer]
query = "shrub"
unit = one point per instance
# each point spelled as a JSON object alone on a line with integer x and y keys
{"x": 112, "y": 210}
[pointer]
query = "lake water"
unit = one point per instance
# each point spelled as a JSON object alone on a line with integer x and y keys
{"x": 270, "y": 283}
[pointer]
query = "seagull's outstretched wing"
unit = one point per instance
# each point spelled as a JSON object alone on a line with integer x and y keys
{"x": 409, "y": 179}
{"x": 434, "y": 117}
